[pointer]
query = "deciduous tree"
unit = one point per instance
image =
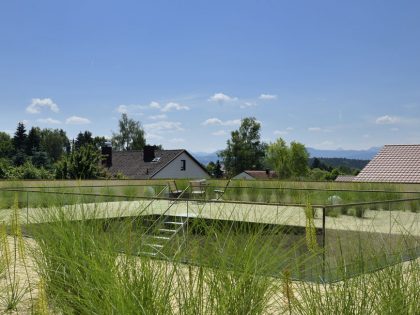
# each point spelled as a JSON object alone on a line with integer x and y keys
{"x": 130, "y": 135}
{"x": 287, "y": 161}
{"x": 278, "y": 158}
{"x": 55, "y": 143}
{"x": 6, "y": 145}
{"x": 299, "y": 158}
{"x": 244, "y": 150}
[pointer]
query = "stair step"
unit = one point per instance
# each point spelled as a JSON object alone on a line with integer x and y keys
{"x": 154, "y": 245}
{"x": 167, "y": 230}
{"x": 148, "y": 254}
{"x": 160, "y": 237}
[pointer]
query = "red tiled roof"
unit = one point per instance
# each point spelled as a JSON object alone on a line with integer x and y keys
{"x": 393, "y": 164}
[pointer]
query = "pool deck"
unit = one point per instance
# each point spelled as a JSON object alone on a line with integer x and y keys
{"x": 393, "y": 222}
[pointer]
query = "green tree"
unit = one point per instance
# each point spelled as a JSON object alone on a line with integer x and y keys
{"x": 299, "y": 158}
{"x": 278, "y": 158}
{"x": 83, "y": 138}
{"x": 5, "y": 166}
{"x": 244, "y": 150}
{"x": 210, "y": 168}
{"x": 6, "y": 145}
{"x": 130, "y": 135}
{"x": 99, "y": 142}
{"x": 41, "y": 159}
{"x": 218, "y": 173}
{"x": 19, "y": 140}
{"x": 84, "y": 163}
{"x": 55, "y": 143}
{"x": 33, "y": 142}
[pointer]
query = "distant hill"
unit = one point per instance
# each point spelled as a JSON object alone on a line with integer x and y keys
{"x": 337, "y": 162}
{"x": 348, "y": 154}
{"x": 205, "y": 157}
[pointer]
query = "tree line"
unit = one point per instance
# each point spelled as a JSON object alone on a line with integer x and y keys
{"x": 49, "y": 153}
{"x": 246, "y": 151}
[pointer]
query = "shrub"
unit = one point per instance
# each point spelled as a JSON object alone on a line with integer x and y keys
{"x": 84, "y": 163}
{"x": 27, "y": 171}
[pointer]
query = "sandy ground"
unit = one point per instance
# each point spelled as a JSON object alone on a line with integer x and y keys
{"x": 393, "y": 222}
{"x": 23, "y": 273}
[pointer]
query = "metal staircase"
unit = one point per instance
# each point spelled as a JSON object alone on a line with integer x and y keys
{"x": 165, "y": 238}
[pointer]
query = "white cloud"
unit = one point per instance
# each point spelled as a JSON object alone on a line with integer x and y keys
{"x": 218, "y": 122}
{"x": 158, "y": 117}
{"x": 122, "y": 109}
{"x": 395, "y": 129}
{"x": 154, "y": 105}
{"x": 220, "y": 97}
{"x": 76, "y": 120}
{"x": 267, "y": 97}
{"x": 131, "y": 109}
{"x": 248, "y": 104}
{"x": 314, "y": 129}
{"x": 219, "y": 133}
{"x": 136, "y": 109}
{"x": 38, "y": 103}
{"x": 174, "y": 106}
{"x": 163, "y": 125}
{"x": 289, "y": 128}
{"x": 49, "y": 121}
{"x": 387, "y": 120}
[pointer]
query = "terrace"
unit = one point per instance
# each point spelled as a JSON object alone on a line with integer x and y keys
{"x": 316, "y": 233}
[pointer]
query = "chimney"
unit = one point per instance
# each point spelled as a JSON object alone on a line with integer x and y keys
{"x": 107, "y": 154}
{"x": 148, "y": 153}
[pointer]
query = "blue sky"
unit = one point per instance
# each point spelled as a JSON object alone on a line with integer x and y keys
{"x": 330, "y": 74}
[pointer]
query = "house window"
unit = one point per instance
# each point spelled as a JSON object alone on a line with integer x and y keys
{"x": 183, "y": 163}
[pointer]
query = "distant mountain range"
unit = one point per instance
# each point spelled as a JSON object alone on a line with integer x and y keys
{"x": 205, "y": 157}
{"x": 368, "y": 154}
{"x": 348, "y": 154}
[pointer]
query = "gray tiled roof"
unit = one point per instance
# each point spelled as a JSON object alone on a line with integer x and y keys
{"x": 394, "y": 164}
{"x": 131, "y": 164}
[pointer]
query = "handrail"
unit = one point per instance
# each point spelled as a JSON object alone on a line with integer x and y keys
{"x": 326, "y": 189}
{"x": 166, "y": 211}
{"x": 224, "y": 201}
{"x": 85, "y": 186}
{"x": 153, "y": 200}
{"x": 371, "y": 202}
{"x": 224, "y": 189}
